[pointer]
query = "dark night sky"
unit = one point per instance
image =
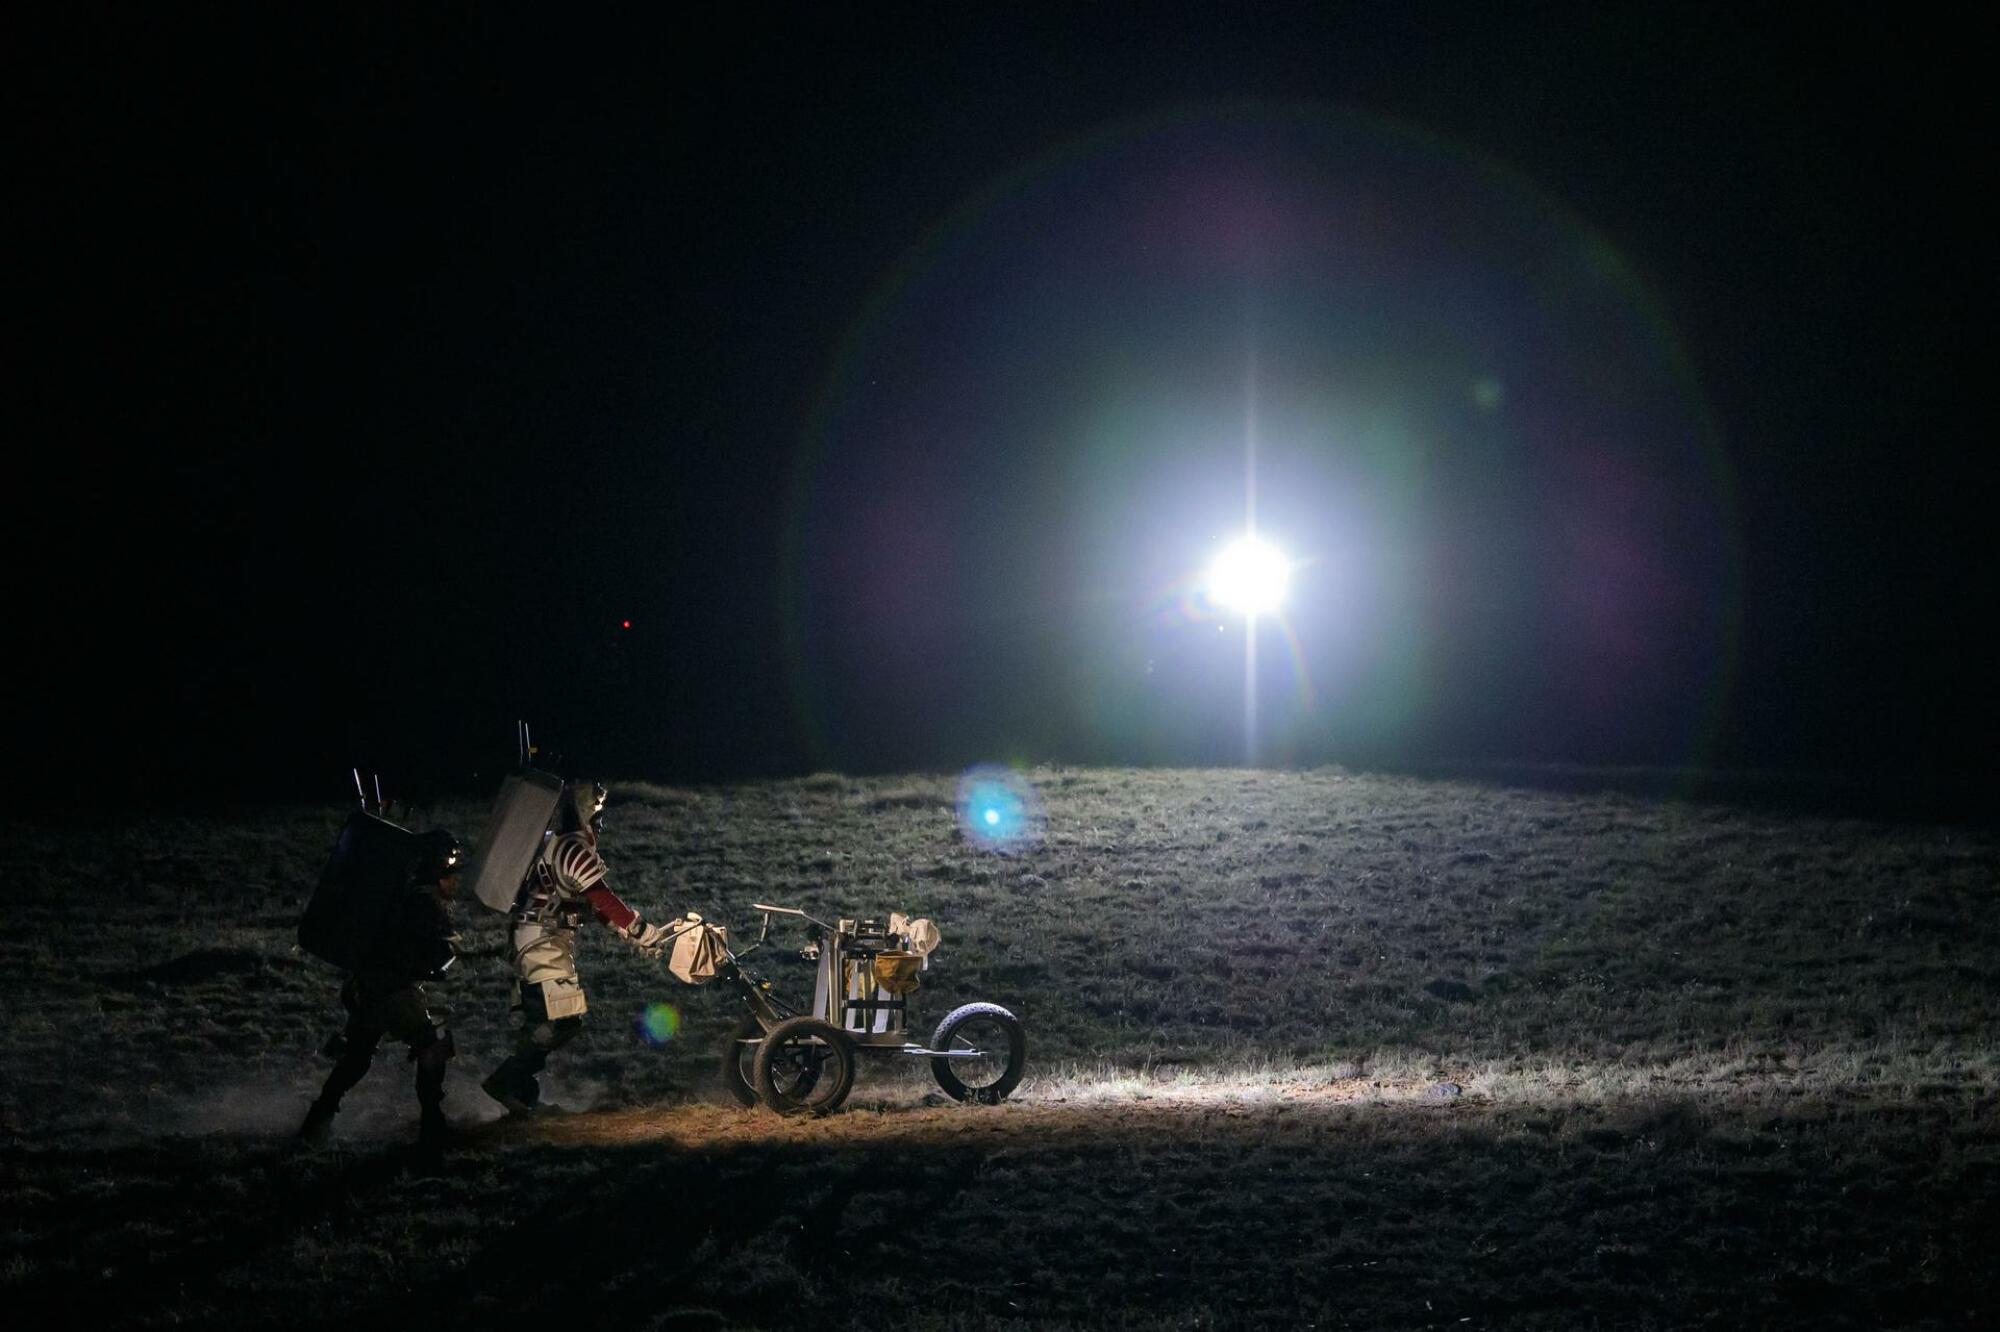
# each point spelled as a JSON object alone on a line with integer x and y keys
{"x": 368, "y": 371}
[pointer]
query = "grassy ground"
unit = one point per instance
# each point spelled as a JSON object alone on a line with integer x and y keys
{"x": 1306, "y": 1049}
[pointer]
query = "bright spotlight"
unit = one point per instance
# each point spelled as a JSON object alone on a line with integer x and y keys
{"x": 1249, "y": 577}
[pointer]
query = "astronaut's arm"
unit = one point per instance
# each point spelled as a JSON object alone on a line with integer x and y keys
{"x": 443, "y": 952}
{"x": 432, "y": 943}
{"x": 610, "y": 908}
{"x": 613, "y": 911}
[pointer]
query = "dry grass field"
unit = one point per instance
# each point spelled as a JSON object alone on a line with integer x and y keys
{"x": 1306, "y": 1050}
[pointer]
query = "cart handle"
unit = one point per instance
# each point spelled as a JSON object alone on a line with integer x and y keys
{"x": 770, "y": 911}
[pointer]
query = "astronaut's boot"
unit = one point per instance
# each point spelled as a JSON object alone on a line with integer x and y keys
{"x": 355, "y": 1056}
{"x": 513, "y": 1084}
{"x": 434, "y": 1135}
{"x": 319, "y": 1122}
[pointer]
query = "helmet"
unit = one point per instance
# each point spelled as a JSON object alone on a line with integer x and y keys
{"x": 583, "y": 803}
{"x": 438, "y": 855}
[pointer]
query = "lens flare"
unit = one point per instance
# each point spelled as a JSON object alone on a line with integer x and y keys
{"x": 1564, "y": 408}
{"x": 658, "y": 1024}
{"x": 998, "y": 809}
{"x": 1250, "y": 577}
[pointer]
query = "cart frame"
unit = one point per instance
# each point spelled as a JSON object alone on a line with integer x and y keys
{"x": 856, "y": 1014}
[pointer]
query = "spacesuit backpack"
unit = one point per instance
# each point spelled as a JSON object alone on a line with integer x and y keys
{"x": 368, "y": 911}
{"x": 522, "y": 817}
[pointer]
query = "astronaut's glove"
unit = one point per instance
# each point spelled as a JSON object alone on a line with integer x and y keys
{"x": 647, "y": 937}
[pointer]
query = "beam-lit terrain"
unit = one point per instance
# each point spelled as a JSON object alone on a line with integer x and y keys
{"x": 1304, "y": 1047}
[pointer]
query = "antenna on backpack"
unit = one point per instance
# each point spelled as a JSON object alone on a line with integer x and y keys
{"x": 380, "y": 808}
{"x": 360, "y": 794}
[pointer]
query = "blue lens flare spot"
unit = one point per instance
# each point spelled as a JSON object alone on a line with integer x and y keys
{"x": 658, "y": 1024}
{"x": 998, "y": 809}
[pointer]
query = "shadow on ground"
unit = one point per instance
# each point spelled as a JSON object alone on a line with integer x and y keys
{"x": 1169, "y": 1212}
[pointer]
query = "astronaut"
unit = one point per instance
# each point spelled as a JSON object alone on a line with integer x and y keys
{"x": 386, "y": 998}
{"x": 564, "y": 887}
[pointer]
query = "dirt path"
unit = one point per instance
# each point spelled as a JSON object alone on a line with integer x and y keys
{"x": 1165, "y": 1110}
{"x": 1136, "y": 1202}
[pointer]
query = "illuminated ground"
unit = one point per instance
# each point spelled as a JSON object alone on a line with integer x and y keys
{"x": 1308, "y": 1049}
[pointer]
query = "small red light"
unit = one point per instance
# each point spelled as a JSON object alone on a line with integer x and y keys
{"x": 624, "y": 624}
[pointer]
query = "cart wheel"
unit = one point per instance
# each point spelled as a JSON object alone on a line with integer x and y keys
{"x": 1003, "y": 1050}
{"x": 737, "y": 1058}
{"x": 804, "y": 1066}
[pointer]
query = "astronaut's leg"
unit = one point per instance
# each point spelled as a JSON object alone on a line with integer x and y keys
{"x": 431, "y": 1059}
{"x": 514, "y": 1083}
{"x": 363, "y": 1034}
{"x": 432, "y": 1130}
{"x": 549, "y": 1000}
{"x": 431, "y": 1049}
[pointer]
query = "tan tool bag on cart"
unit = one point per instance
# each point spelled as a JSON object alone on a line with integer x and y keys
{"x": 698, "y": 954}
{"x": 897, "y": 972}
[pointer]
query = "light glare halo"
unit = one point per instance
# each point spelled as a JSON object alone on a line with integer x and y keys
{"x": 998, "y": 809}
{"x": 1249, "y": 577}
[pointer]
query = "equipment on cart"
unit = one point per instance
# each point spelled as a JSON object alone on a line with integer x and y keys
{"x": 800, "y": 1060}
{"x": 699, "y": 951}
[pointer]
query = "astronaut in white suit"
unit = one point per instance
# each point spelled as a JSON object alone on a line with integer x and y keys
{"x": 565, "y": 887}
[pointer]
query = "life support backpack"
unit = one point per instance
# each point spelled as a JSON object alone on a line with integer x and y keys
{"x": 524, "y": 811}
{"x": 359, "y": 917}
{"x": 373, "y": 909}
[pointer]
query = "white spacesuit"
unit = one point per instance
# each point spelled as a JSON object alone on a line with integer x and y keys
{"x": 564, "y": 887}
